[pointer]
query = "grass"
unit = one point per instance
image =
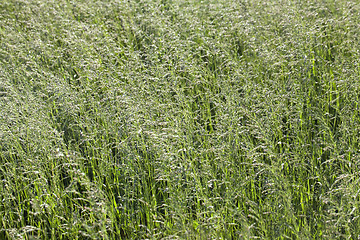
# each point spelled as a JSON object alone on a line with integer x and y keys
{"x": 179, "y": 119}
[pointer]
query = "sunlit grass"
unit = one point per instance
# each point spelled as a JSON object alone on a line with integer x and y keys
{"x": 179, "y": 119}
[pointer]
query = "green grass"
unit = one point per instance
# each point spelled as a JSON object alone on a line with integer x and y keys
{"x": 178, "y": 119}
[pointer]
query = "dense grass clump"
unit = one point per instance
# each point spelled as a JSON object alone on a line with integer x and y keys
{"x": 171, "y": 119}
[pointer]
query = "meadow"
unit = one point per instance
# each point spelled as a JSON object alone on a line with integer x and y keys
{"x": 175, "y": 119}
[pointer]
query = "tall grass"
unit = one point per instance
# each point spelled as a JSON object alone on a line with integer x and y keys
{"x": 179, "y": 119}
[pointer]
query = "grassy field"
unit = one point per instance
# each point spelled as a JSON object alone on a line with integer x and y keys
{"x": 175, "y": 119}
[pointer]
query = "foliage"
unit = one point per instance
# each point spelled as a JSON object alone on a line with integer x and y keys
{"x": 171, "y": 119}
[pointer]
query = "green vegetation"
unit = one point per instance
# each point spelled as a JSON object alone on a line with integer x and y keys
{"x": 174, "y": 119}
